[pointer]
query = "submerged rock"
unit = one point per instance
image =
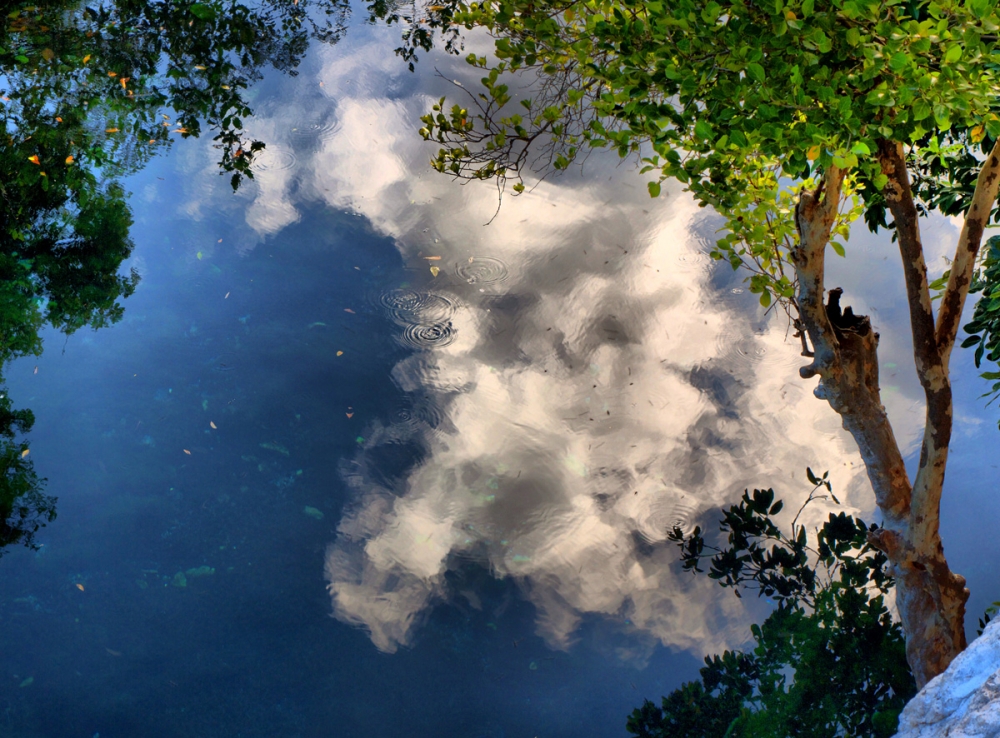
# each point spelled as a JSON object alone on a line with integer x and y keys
{"x": 964, "y": 701}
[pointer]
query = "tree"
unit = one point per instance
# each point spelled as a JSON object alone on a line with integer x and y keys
{"x": 828, "y": 661}
{"x": 791, "y": 119}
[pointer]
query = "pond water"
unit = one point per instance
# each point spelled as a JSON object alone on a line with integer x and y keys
{"x": 366, "y": 455}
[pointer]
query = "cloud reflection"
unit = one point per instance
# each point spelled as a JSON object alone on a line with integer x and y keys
{"x": 582, "y": 381}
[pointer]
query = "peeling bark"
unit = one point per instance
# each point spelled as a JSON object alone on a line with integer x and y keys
{"x": 930, "y": 597}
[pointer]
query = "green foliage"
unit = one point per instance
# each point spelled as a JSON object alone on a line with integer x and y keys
{"x": 828, "y": 661}
{"x": 984, "y": 329}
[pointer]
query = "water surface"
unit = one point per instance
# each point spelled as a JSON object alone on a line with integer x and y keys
{"x": 339, "y": 393}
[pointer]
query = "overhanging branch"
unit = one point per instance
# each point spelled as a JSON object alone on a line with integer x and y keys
{"x": 976, "y": 218}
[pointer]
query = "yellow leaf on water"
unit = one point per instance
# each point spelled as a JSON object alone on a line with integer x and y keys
{"x": 112, "y": 74}
{"x": 199, "y": 66}
{"x": 86, "y": 58}
{"x": 34, "y": 159}
{"x": 111, "y": 130}
{"x": 58, "y": 119}
{"x": 25, "y": 453}
{"x": 187, "y": 452}
{"x": 433, "y": 258}
{"x": 79, "y": 586}
{"x": 349, "y": 415}
{"x": 212, "y": 424}
{"x": 435, "y": 271}
{"x": 340, "y": 353}
{"x": 124, "y": 81}
{"x": 69, "y": 159}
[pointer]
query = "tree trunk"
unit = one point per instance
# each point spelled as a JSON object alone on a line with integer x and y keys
{"x": 930, "y": 598}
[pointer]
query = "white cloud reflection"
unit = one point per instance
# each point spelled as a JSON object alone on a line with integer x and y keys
{"x": 581, "y": 385}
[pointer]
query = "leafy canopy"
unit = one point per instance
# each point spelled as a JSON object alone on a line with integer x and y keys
{"x": 744, "y": 103}
{"x": 828, "y": 661}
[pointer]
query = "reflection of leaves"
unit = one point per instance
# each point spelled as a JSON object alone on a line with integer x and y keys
{"x": 89, "y": 94}
{"x": 24, "y": 509}
{"x": 828, "y": 661}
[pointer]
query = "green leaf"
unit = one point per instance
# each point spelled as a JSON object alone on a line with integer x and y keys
{"x": 899, "y": 61}
{"x": 756, "y": 72}
{"x": 202, "y": 11}
{"x": 953, "y": 54}
{"x": 654, "y": 189}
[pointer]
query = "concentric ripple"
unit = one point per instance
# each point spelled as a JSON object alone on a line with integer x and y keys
{"x": 317, "y": 131}
{"x": 423, "y": 336}
{"x": 483, "y": 270}
{"x": 273, "y": 159}
{"x": 410, "y": 307}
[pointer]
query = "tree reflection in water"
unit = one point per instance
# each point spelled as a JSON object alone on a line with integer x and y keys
{"x": 89, "y": 95}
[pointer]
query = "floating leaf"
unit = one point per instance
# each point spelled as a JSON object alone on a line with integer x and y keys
{"x": 435, "y": 271}
{"x": 433, "y": 258}
{"x": 348, "y": 310}
{"x": 124, "y": 81}
{"x": 69, "y": 159}
{"x": 34, "y": 159}
{"x": 226, "y": 297}
{"x": 187, "y": 452}
{"x": 48, "y": 54}
{"x": 340, "y": 353}
{"x": 86, "y": 58}
{"x": 25, "y": 453}
{"x": 79, "y": 586}
{"x": 111, "y": 130}
{"x": 213, "y": 425}
{"x": 349, "y": 415}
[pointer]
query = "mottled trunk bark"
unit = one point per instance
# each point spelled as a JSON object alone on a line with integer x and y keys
{"x": 929, "y": 596}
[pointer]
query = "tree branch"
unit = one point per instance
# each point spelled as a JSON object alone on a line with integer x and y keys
{"x": 899, "y": 196}
{"x": 814, "y": 217}
{"x": 976, "y": 218}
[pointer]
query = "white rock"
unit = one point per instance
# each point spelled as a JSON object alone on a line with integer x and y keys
{"x": 964, "y": 702}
